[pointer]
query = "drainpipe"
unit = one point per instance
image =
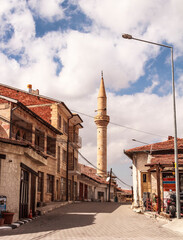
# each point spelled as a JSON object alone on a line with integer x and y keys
{"x": 67, "y": 165}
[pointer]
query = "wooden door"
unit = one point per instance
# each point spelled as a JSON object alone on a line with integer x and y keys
{"x": 86, "y": 192}
{"x": 24, "y": 194}
{"x": 145, "y": 182}
{"x": 33, "y": 194}
{"x": 80, "y": 191}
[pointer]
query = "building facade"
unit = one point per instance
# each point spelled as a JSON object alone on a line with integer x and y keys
{"x": 154, "y": 173}
{"x": 52, "y": 130}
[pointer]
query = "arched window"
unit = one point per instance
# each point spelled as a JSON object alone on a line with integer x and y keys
{"x": 17, "y": 137}
{"x": 24, "y": 136}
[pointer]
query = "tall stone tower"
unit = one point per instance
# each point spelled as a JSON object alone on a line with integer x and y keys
{"x": 102, "y": 120}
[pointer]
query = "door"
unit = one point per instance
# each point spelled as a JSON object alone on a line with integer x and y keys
{"x": 24, "y": 194}
{"x": 86, "y": 192}
{"x": 57, "y": 186}
{"x": 80, "y": 191}
{"x": 40, "y": 186}
{"x": 145, "y": 182}
{"x": 33, "y": 194}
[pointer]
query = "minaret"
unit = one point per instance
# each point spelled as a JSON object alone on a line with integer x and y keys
{"x": 102, "y": 121}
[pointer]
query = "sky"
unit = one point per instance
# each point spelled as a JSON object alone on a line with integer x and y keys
{"x": 61, "y": 47}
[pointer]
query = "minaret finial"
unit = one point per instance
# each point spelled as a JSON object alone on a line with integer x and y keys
{"x": 102, "y": 73}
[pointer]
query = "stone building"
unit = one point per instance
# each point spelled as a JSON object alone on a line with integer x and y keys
{"x": 58, "y": 179}
{"x": 22, "y": 155}
{"x": 154, "y": 172}
{"x": 93, "y": 187}
{"x": 124, "y": 195}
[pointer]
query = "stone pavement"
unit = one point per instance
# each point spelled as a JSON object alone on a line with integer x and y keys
{"x": 91, "y": 221}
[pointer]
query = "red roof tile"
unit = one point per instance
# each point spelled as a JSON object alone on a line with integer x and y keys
{"x": 166, "y": 145}
{"x": 44, "y": 112}
{"x": 23, "y": 97}
{"x": 91, "y": 173}
{"x": 165, "y": 159}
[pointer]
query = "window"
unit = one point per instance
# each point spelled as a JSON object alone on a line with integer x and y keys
{"x": 59, "y": 121}
{"x": 51, "y": 146}
{"x": 69, "y": 189}
{"x": 63, "y": 188}
{"x": 50, "y": 183}
{"x": 71, "y": 161}
{"x": 24, "y": 136}
{"x": 75, "y": 190}
{"x": 39, "y": 139}
{"x": 58, "y": 159}
{"x": 64, "y": 156}
{"x": 144, "y": 177}
{"x": 65, "y": 126}
{"x": 17, "y": 137}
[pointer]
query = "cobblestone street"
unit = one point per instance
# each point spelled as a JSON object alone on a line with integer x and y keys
{"x": 92, "y": 221}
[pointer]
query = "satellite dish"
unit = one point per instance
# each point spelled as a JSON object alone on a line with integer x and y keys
{"x": 107, "y": 179}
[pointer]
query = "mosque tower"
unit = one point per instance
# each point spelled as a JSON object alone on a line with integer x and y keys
{"x": 102, "y": 120}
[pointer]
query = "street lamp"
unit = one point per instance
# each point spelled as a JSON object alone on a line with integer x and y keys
{"x": 140, "y": 141}
{"x": 128, "y": 36}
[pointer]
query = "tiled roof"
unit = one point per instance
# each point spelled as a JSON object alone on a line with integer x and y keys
{"x": 127, "y": 191}
{"x": 29, "y": 111}
{"x": 44, "y": 112}
{"x": 165, "y": 159}
{"x": 166, "y": 145}
{"x": 91, "y": 173}
{"x": 124, "y": 190}
{"x": 23, "y": 97}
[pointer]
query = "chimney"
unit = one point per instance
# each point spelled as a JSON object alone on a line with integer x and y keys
{"x": 35, "y": 91}
{"x": 29, "y": 86}
{"x": 30, "y": 90}
{"x": 170, "y": 138}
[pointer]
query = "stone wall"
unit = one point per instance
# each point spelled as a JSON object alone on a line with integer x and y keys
{"x": 10, "y": 172}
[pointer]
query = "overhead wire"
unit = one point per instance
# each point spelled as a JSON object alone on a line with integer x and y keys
{"x": 62, "y": 141}
{"x": 121, "y": 180}
{"x": 123, "y": 126}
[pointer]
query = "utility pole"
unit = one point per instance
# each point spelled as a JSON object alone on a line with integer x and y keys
{"x": 110, "y": 184}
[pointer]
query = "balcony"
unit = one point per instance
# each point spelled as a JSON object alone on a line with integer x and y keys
{"x": 77, "y": 141}
{"x": 75, "y": 168}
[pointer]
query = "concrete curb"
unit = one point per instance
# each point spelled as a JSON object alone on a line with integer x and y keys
{"x": 17, "y": 224}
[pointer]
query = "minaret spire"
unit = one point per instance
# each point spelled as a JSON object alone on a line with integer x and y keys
{"x": 102, "y": 120}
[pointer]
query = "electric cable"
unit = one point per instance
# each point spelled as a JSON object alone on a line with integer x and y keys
{"x": 123, "y": 126}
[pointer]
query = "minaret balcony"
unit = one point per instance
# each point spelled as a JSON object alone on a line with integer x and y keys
{"x": 102, "y": 120}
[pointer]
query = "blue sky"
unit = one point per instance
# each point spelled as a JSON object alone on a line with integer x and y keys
{"x": 60, "y": 47}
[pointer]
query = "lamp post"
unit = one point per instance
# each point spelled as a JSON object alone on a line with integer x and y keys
{"x": 128, "y": 36}
{"x": 140, "y": 141}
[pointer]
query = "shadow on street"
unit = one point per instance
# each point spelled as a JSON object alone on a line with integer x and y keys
{"x": 69, "y": 216}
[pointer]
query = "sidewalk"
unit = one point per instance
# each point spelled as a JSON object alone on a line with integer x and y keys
{"x": 172, "y": 224}
{"x": 175, "y": 225}
{"x": 42, "y": 210}
{"x": 51, "y": 206}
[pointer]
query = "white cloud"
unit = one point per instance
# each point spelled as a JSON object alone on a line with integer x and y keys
{"x": 155, "y": 83}
{"x": 48, "y": 10}
{"x": 84, "y": 55}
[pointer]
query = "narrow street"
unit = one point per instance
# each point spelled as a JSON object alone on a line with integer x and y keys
{"x": 91, "y": 221}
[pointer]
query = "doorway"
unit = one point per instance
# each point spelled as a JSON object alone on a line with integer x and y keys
{"x": 24, "y": 194}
